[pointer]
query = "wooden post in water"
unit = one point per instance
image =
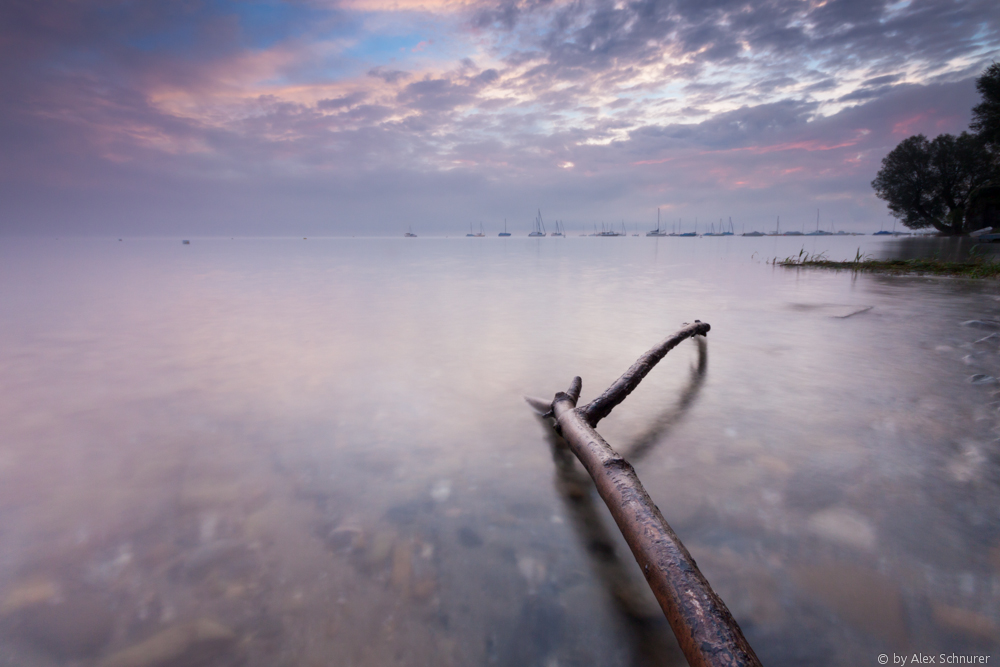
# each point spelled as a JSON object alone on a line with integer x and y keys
{"x": 707, "y": 633}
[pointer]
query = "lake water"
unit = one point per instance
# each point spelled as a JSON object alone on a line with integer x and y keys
{"x": 273, "y": 452}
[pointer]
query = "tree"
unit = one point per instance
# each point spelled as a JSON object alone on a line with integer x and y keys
{"x": 928, "y": 183}
{"x": 986, "y": 114}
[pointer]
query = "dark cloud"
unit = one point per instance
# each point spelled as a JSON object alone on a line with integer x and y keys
{"x": 603, "y": 36}
{"x": 864, "y": 94}
{"x": 882, "y": 80}
{"x": 436, "y": 95}
{"x": 388, "y": 75}
{"x": 342, "y": 102}
{"x": 819, "y": 86}
{"x": 487, "y": 76}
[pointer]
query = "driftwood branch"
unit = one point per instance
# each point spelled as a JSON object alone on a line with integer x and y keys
{"x": 705, "y": 630}
{"x": 640, "y": 616}
{"x": 602, "y": 406}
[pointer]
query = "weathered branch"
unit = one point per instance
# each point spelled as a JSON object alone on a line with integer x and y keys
{"x": 602, "y": 406}
{"x": 705, "y": 630}
{"x": 651, "y": 639}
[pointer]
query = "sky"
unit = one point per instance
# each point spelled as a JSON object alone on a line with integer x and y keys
{"x": 369, "y": 117}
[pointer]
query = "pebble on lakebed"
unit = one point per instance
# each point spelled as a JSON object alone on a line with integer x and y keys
{"x": 65, "y": 624}
{"x": 185, "y": 643}
{"x": 28, "y": 594}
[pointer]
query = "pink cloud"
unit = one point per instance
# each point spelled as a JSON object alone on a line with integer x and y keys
{"x": 905, "y": 127}
{"x": 666, "y": 159}
{"x": 809, "y": 146}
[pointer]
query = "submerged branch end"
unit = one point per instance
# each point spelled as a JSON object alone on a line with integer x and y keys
{"x": 602, "y": 406}
{"x": 540, "y": 405}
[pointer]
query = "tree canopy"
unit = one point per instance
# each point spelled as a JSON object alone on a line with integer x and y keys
{"x": 928, "y": 183}
{"x": 986, "y": 114}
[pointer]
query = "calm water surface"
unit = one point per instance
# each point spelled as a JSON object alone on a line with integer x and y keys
{"x": 315, "y": 452}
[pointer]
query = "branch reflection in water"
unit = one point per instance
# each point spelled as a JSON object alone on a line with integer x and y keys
{"x": 653, "y": 640}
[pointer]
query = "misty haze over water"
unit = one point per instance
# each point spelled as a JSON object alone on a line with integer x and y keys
{"x": 315, "y": 452}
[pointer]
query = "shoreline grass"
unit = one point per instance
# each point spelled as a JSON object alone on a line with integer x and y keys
{"x": 977, "y": 266}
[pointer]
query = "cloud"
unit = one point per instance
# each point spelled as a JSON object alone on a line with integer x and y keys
{"x": 345, "y": 101}
{"x": 680, "y": 103}
{"x": 389, "y": 76}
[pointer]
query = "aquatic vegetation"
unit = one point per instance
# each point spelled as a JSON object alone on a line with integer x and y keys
{"x": 977, "y": 266}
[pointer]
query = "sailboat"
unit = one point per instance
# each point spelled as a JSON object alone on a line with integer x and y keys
{"x": 819, "y": 232}
{"x": 410, "y": 234}
{"x": 480, "y": 234}
{"x": 504, "y": 232}
{"x": 657, "y": 231}
{"x": 694, "y": 233}
{"x": 559, "y": 230}
{"x": 539, "y": 229}
{"x": 608, "y": 232}
{"x": 730, "y": 232}
{"x": 794, "y": 233}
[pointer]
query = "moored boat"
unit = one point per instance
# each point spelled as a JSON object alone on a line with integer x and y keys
{"x": 539, "y": 229}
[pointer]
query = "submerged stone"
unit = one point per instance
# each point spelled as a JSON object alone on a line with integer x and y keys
{"x": 345, "y": 538}
{"x": 379, "y": 548}
{"x": 966, "y": 622}
{"x": 467, "y": 537}
{"x": 204, "y": 558}
{"x": 441, "y": 490}
{"x": 844, "y": 526}
{"x": 197, "y": 642}
{"x": 862, "y": 597}
{"x": 402, "y": 566}
{"x": 28, "y": 594}
{"x": 77, "y": 627}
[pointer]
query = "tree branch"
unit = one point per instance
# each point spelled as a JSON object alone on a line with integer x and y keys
{"x": 706, "y": 632}
{"x": 602, "y": 406}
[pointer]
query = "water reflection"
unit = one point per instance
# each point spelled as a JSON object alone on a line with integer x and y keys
{"x": 277, "y": 452}
{"x": 949, "y": 249}
{"x": 640, "y": 445}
